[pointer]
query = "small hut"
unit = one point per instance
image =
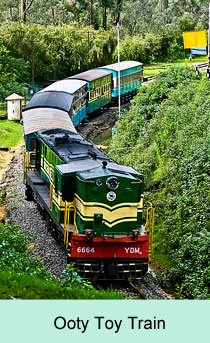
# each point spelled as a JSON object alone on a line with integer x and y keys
{"x": 14, "y": 107}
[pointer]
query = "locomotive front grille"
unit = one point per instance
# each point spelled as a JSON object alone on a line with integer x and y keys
{"x": 111, "y": 269}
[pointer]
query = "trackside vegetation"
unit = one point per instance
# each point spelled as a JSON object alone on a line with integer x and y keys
{"x": 25, "y": 278}
{"x": 165, "y": 135}
{"x": 11, "y": 133}
{"x": 49, "y": 53}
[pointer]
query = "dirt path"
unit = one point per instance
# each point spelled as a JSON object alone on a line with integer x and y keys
{"x": 5, "y": 161}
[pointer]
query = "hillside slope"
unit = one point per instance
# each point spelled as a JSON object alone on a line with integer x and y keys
{"x": 165, "y": 135}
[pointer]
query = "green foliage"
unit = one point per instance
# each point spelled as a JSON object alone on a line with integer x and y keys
{"x": 147, "y": 48}
{"x": 191, "y": 274}
{"x": 157, "y": 15}
{"x": 55, "y": 52}
{"x": 70, "y": 277}
{"x": 13, "y": 74}
{"x": 165, "y": 135}
{"x": 13, "y": 253}
{"x": 26, "y": 278}
{"x": 23, "y": 286}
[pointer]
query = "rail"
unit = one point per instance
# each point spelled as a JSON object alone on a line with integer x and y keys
{"x": 149, "y": 226}
{"x": 149, "y": 79}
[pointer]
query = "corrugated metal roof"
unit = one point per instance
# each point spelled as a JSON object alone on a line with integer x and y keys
{"x": 59, "y": 100}
{"x": 46, "y": 118}
{"x": 122, "y": 65}
{"x": 67, "y": 85}
{"x": 91, "y": 75}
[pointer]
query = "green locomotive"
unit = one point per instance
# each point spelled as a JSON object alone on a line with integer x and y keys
{"x": 90, "y": 203}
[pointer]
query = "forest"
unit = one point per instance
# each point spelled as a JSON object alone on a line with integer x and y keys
{"x": 42, "y": 41}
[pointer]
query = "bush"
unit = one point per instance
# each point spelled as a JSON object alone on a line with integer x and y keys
{"x": 14, "y": 255}
{"x": 26, "y": 278}
{"x": 165, "y": 136}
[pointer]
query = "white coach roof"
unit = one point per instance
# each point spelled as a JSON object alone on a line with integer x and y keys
{"x": 122, "y": 65}
{"x": 46, "y": 118}
{"x": 68, "y": 86}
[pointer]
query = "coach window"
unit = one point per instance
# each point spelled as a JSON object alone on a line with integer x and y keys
{"x": 91, "y": 95}
{"x": 33, "y": 144}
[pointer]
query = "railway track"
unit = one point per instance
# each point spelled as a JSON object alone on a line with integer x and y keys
{"x": 128, "y": 289}
{"x": 139, "y": 291}
{"x": 53, "y": 257}
{"x": 146, "y": 288}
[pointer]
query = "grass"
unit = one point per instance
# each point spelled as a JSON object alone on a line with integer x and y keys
{"x": 24, "y": 277}
{"x": 3, "y": 111}
{"x": 156, "y": 68}
{"x": 10, "y": 133}
{"x": 21, "y": 286}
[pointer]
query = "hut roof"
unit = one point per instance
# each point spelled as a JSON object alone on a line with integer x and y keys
{"x": 14, "y": 96}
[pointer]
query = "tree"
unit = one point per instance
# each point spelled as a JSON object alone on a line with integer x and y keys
{"x": 14, "y": 74}
{"x": 24, "y": 7}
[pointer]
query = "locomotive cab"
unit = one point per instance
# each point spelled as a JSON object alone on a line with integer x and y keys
{"x": 109, "y": 202}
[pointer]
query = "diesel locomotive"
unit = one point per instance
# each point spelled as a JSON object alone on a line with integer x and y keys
{"x": 90, "y": 203}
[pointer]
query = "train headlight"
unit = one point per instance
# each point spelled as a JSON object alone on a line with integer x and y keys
{"x": 135, "y": 233}
{"x": 112, "y": 183}
{"x": 111, "y": 196}
{"x": 98, "y": 182}
{"x": 89, "y": 233}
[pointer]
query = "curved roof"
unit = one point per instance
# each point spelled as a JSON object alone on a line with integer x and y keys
{"x": 46, "y": 118}
{"x": 122, "y": 65}
{"x": 90, "y": 75}
{"x": 52, "y": 99}
{"x": 68, "y": 86}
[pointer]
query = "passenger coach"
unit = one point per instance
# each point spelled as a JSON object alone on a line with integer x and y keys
{"x": 99, "y": 85}
{"x": 131, "y": 77}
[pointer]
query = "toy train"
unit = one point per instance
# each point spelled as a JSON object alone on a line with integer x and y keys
{"x": 91, "y": 203}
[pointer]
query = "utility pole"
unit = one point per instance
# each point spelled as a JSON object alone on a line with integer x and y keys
{"x": 209, "y": 38}
{"x": 118, "y": 54}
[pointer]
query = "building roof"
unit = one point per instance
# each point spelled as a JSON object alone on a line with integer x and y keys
{"x": 46, "y": 118}
{"x": 91, "y": 75}
{"x": 67, "y": 86}
{"x": 14, "y": 96}
{"x": 122, "y": 65}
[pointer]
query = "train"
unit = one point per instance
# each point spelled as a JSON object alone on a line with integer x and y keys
{"x": 93, "y": 205}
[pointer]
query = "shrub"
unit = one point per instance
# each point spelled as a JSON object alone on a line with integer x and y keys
{"x": 165, "y": 136}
